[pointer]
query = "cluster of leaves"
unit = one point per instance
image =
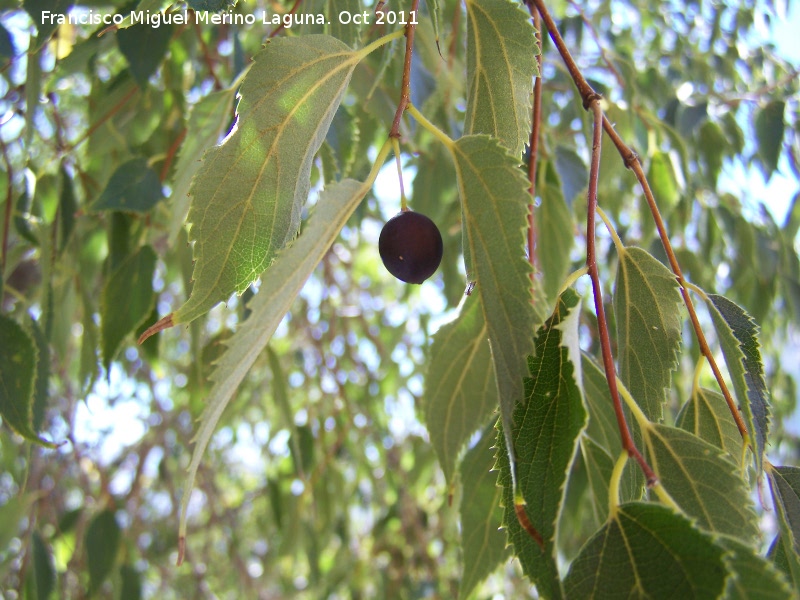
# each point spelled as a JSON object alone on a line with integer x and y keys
{"x": 309, "y": 472}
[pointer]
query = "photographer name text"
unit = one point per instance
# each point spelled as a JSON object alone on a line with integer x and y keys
{"x": 156, "y": 19}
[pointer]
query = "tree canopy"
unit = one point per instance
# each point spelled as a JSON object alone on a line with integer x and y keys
{"x": 212, "y": 387}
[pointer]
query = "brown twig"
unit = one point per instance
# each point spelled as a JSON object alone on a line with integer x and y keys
{"x": 632, "y": 162}
{"x": 281, "y": 27}
{"x": 173, "y": 150}
{"x": 591, "y": 101}
{"x": 405, "y": 86}
{"x": 9, "y": 201}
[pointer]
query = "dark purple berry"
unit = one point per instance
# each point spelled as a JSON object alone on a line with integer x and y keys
{"x": 410, "y": 246}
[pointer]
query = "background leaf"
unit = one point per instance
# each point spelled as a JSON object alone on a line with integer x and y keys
{"x": 17, "y": 375}
{"x": 769, "y": 126}
{"x": 144, "y": 47}
{"x": 102, "y": 542}
{"x": 555, "y": 234}
{"x": 706, "y": 415}
{"x": 134, "y": 187}
{"x": 483, "y": 543}
{"x": 127, "y": 300}
{"x": 460, "y": 386}
{"x": 249, "y": 191}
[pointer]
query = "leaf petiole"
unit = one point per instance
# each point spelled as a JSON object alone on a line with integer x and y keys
{"x": 438, "y": 133}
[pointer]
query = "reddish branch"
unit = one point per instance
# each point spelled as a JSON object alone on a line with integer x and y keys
{"x": 632, "y": 162}
{"x": 591, "y": 101}
{"x": 405, "y": 86}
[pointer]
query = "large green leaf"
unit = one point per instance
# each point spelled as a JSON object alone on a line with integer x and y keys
{"x": 249, "y": 192}
{"x": 102, "y": 541}
{"x": 703, "y": 481}
{"x": 494, "y": 200}
{"x": 547, "y": 427}
{"x": 205, "y": 126}
{"x": 501, "y": 47}
{"x": 282, "y": 283}
{"x": 483, "y": 543}
{"x": 647, "y": 551}
{"x": 647, "y": 307}
{"x": 460, "y": 386}
{"x": 127, "y": 300}
{"x": 738, "y": 337}
{"x": 707, "y": 415}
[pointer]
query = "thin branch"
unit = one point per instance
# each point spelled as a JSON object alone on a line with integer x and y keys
{"x": 405, "y": 86}
{"x": 591, "y": 101}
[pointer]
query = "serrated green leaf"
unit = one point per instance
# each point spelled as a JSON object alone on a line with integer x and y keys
{"x": 127, "y": 300}
{"x": 494, "y": 201}
{"x": 44, "y": 572}
{"x": 134, "y": 187}
{"x": 752, "y": 576}
{"x": 647, "y": 309}
{"x": 282, "y": 283}
{"x": 785, "y": 485}
{"x": 483, "y": 544}
{"x": 460, "y": 386}
{"x": 501, "y": 65}
{"x": 547, "y": 426}
{"x": 703, "y": 481}
{"x": 555, "y": 234}
{"x": 770, "y": 126}
{"x": 706, "y": 415}
{"x": 18, "y": 357}
{"x": 738, "y": 337}
{"x": 249, "y": 192}
{"x": 647, "y": 551}
{"x": 207, "y": 121}
{"x": 102, "y": 542}
{"x": 144, "y": 47}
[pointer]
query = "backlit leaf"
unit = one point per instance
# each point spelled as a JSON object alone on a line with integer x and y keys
{"x": 206, "y": 128}
{"x": 738, "y": 337}
{"x": 547, "y": 426}
{"x": 647, "y": 551}
{"x": 282, "y": 283}
{"x": 134, "y": 187}
{"x": 646, "y": 305}
{"x": 500, "y": 71}
{"x": 249, "y": 191}
{"x": 703, "y": 481}
{"x": 127, "y": 300}
{"x": 494, "y": 201}
{"x": 102, "y": 542}
{"x": 483, "y": 543}
{"x": 460, "y": 386}
{"x": 706, "y": 415}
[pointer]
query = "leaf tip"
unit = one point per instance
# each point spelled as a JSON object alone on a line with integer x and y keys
{"x": 160, "y": 325}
